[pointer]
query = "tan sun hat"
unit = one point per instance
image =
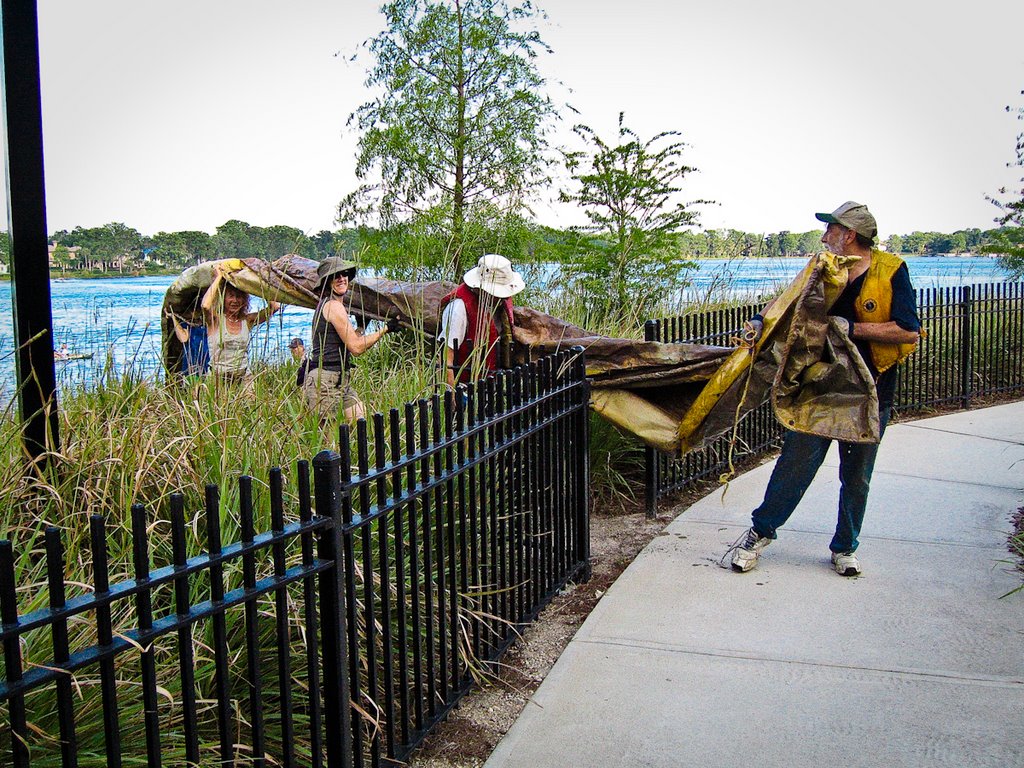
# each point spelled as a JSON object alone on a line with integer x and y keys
{"x": 494, "y": 275}
{"x": 851, "y": 215}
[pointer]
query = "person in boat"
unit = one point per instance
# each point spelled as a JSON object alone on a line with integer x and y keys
{"x": 62, "y": 353}
{"x": 477, "y": 320}
{"x": 195, "y": 347}
{"x": 229, "y": 323}
{"x": 327, "y": 371}
{"x": 878, "y": 311}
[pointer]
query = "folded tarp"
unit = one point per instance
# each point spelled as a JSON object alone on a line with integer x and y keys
{"x": 674, "y": 397}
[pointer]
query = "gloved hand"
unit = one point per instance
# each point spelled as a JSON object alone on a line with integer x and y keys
{"x": 752, "y": 330}
{"x": 392, "y": 324}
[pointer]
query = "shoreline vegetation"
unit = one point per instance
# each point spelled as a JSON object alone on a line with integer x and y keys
{"x": 116, "y": 250}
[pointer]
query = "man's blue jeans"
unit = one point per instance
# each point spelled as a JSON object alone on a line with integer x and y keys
{"x": 797, "y": 465}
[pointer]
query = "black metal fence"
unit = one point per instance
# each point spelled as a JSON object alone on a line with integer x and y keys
{"x": 757, "y": 432}
{"x": 463, "y": 517}
{"x": 973, "y": 346}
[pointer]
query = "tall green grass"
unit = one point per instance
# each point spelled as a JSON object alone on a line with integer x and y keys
{"x": 130, "y": 438}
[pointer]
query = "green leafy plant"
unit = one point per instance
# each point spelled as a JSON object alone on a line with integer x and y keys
{"x": 627, "y": 256}
{"x": 1009, "y": 241}
{"x": 459, "y": 119}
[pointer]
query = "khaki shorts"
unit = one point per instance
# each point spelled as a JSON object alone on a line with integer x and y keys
{"x": 324, "y": 395}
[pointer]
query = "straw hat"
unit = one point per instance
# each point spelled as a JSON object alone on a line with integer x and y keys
{"x": 493, "y": 274}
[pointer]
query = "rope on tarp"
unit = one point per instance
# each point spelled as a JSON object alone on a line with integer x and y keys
{"x": 746, "y": 340}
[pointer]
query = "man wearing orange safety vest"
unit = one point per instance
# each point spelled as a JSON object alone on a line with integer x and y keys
{"x": 476, "y": 319}
{"x": 878, "y": 310}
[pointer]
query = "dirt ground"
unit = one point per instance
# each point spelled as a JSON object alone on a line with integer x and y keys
{"x": 474, "y": 728}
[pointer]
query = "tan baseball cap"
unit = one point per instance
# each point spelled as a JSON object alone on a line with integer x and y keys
{"x": 851, "y": 215}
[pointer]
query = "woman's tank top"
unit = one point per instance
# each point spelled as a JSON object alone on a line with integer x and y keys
{"x": 229, "y": 352}
{"x": 328, "y": 351}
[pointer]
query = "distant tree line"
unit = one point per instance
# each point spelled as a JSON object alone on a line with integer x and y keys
{"x": 118, "y": 248}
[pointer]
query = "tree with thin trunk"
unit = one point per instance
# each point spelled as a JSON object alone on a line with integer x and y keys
{"x": 629, "y": 257}
{"x": 460, "y": 116}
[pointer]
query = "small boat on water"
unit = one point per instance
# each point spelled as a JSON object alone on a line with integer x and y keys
{"x": 64, "y": 355}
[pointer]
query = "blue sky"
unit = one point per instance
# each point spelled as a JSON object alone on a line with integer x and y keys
{"x": 170, "y": 116}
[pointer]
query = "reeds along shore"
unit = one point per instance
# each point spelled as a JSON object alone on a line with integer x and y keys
{"x": 137, "y": 439}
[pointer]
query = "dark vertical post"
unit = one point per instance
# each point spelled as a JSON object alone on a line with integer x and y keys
{"x": 252, "y": 631}
{"x": 105, "y": 636}
{"x": 221, "y": 685}
{"x": 283, "y": 630}
{"x": 61, "y": 650}
{"x": 183, "y": 607}
{"x": 582, "y": 467}
{"x": 12, "y": 657}
{"x": 312, "y": 619}
{"x": 966, "y": 308}
{"x": 337, "y": 707}
{"x": 26, "y": 204}
{"x": 144, "y": 612}
{"x": 650, "y": 456}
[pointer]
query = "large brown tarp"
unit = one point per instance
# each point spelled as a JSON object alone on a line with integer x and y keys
{"x": 674, "y": 397}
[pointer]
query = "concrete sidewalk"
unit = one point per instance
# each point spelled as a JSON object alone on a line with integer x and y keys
{"x": 915, "y": 663}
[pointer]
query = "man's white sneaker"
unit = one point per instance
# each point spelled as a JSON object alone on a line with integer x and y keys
{"x": 846, "y": 563}
{"x": 747, "y": 549}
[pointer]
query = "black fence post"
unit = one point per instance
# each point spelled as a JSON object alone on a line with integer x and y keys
{"x": 966, "y": 344}
{"x": 30, "y": 269}
{"x": 337, "y": 706}
{"x": 582, "y": 468}
{"x": 650, "y": 455}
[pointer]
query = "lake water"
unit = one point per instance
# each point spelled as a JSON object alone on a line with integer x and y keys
{"x": 118, "y": 319}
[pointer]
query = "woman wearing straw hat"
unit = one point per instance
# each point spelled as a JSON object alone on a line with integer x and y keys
{"x": 335, "y": 341}
{"x": 476, "y": 316}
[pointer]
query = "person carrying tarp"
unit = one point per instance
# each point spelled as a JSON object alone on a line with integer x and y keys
{"x": 476, "y": 317}
{"x": 195, "y": 353}
{"x": 878, "y": 312}
{"x": 326, "y": 371}
{"x": 229, "y": 323}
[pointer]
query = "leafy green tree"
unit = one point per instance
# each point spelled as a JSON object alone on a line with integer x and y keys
{"x": 894, "y": 244}
{"x": 810, "y": 242}
{"x": 974, "y": 238}
{"x": 5, "y": 249}
{"x": 183, "y": 249}
{"x": 629, "y": 192}
{"x": 460, "y": 117}
{"x": 326, "y": 243}
{"x": 789, "y": 243}
{"x": 62, "y": 258}
{"x": 235, "y": 239}
{"x": 112, "y": 246}
{"x": 916, "y": 242}
{"x": 280, "y": 239}
{"x": 1008, "y": 241}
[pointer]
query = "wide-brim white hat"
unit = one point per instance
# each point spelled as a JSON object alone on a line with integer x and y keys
{"x": 494, "y": 275}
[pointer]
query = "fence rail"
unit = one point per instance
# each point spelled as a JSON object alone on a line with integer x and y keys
{"x": 973, "y": 346}
{"x": 461, "y": 518}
